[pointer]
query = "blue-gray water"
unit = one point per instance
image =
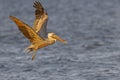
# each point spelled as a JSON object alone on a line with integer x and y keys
{"x": 91, "y": 27}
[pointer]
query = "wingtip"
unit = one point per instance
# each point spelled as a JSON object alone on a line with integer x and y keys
{"x": 37, "y": 4}
{"x": 11, "y": 17}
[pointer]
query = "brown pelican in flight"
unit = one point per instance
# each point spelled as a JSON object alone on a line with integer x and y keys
{"x": 37, "y": 33}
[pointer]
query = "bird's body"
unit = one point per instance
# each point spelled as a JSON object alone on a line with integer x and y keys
{"x": 37, "y": 33}
{"x": 42, "y": 44}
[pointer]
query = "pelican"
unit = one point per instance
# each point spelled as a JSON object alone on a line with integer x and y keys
{"x": 37, "y": 33}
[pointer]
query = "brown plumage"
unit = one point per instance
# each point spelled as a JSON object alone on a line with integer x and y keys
{"x": 32, "y": 33}
{"x": 41, "y": 18}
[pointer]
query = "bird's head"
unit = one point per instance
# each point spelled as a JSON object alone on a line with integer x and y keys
{"x": 53, "y": 36}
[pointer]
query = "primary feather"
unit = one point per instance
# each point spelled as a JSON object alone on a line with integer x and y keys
{"x": 27, "y": 30}
{"x": 40, "y": 22}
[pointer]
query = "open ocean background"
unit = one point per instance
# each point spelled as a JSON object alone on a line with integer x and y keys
{"x": 91, "y": 27}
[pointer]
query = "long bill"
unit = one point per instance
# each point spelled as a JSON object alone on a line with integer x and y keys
{"x": 59, "y": 39}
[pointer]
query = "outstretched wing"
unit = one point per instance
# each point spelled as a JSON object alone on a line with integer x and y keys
{"x": 41, "y": 18}
{"x": 27, "y": 30}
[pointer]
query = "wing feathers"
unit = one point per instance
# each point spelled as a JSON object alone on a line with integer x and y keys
{"x": 26, "y": 30}
{"x": 39, "y": 9}
{"x": 38, "y": 23}
{"x": 40, "y": 20}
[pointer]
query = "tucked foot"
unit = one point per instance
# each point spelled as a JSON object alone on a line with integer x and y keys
{"x": 28, "y": 50}
{"x": 34, "y": 55}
